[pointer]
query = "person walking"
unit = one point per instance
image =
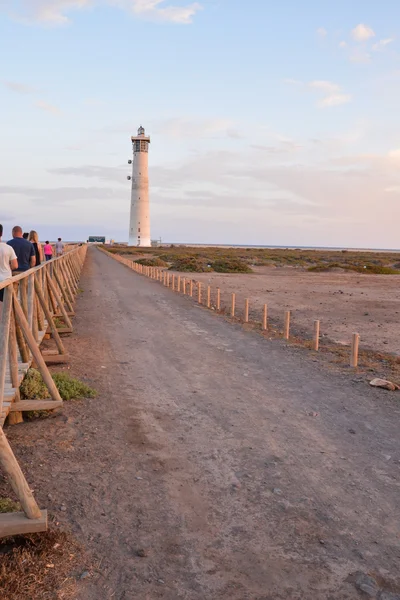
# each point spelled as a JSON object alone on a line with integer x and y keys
{"x": 23, "y": 249}
{"x": 34, "y": 239}
{"x": 59, "y": 247}
{"x": 8, "y": 261}
{"x": 48, "y": 251}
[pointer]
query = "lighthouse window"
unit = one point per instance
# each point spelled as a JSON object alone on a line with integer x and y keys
{"x": 136, "y": 146}
{"x": 144, "y": 146}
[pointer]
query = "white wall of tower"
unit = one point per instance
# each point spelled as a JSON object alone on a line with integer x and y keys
{"x": 139, "y": 228}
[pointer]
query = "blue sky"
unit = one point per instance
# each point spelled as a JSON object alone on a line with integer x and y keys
{"x": 271, "y": 123}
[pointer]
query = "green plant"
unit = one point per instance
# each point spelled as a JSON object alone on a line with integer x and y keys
{"x": 152, "y": 262}
{"x": 34, "y": 388}
{"x": 70, "y": 387}
{"x": 7, "y": 505}
{"x": 230, "y": 265}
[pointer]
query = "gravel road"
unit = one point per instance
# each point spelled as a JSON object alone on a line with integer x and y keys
{"x": 216, "y": 464}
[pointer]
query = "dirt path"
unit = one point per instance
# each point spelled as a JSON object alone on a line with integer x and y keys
{"x": 215, "y": 464}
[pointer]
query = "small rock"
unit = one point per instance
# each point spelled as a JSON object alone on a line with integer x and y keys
{"x": 84, "y": 575}
{"x": 277, "y": 491}
{"x": 366, "y": 584}
{"x": 139, "y": 478}
{"x": 63, "y": 508}
{"x": 351, "y": 431}
{"x": 160, "y": 581}
{"x": 385, "y": 384}
{"x": 142, "y": 552}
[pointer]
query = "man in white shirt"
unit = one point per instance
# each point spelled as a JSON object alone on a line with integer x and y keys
{"x": 8, "y": 262}
{"x": 59, "y": 247}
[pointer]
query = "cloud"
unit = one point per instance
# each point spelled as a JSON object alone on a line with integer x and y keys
{"x": 333, "y": 95}
{"x": 334, "y": 100}
{"x": 19, "y": 88}
{"x": 322, "y": 32}
{"x": 381, "y": 45}
{"x": 359, "y": 56}
{"x": 55, "y": 12}
{"x": 362, "y": 33}
{"x": 188, "y": 127}
{"x": 48, "y": 107}
{"x": 61, "y": 195}
{"x": 93, "y": 171}
{"x": 332, "y": 92}
{"x": 342, "y": 44}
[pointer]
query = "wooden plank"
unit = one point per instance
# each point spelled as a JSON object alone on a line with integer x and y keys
{"x": 56, "y": 359}
{"x": 18, "y": 524}
{"x": 24, "y": 405}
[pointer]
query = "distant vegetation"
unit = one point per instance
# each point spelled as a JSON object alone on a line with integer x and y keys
{"x": 242, "y": 260}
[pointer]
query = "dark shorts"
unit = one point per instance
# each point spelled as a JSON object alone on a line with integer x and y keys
{"x": 1, "y": 295}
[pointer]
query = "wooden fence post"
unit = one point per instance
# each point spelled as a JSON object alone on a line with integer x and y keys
{"x": 265, "y": 318}
{"x": 286, "y": 329}
{"x": 233, "y": 305}
{"x": 199, "y": 292}
{"x": 246, "y": 310}
{"x": 191, "y": 288}
{"x": 209, "y": 297}
{"x": 218, "y": 299}
{"x": 355, "y": 342}
{"x": 316, "y": 336}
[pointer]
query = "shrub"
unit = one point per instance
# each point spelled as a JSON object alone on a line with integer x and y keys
{"x": 7, "y": 505}
{"x": 191, "y": 264}
{"x": 70, "y": 387}
{"x": 34, "y": 388}
{"x": 152, "y": 262}
{"x": 230, "y": 265}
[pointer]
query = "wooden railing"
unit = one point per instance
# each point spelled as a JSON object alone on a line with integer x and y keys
{"x": 36, "y": 304}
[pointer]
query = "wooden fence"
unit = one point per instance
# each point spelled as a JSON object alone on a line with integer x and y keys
{"x": 212, "y": 299}
{"x": 36, "y": 304}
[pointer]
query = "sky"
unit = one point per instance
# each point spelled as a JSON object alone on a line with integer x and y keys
{"x": 271, "y": 123}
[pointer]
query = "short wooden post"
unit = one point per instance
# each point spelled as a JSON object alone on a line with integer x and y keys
{"x": 218, "y": 305}
{"x": 246, "y": 310}
{"x": 233, "y": 305}
{"x": 286, "y": 329}
{"x": 265, "y": 318}
{"x": 355, "y": 342}
{"x": 199, "y": 292}
{"x": 184, "y": 286}
{"x": 179, "y": 284}
{"x": 168, "y": 279}
{"x": 173, "y": 282}
{"x": 191, "y": 288}
{"x": 315, "y": 345}
{"x": 209, "y": 296}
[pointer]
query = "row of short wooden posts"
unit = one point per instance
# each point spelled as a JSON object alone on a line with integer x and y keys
{"x": 186, "y": 286}
{"x": 32, "y": 303}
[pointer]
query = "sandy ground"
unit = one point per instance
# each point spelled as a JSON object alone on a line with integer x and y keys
{"x": 343, "y": 302}
{"x": 215, "y": 464}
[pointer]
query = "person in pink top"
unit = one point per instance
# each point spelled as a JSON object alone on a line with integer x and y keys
{"x": 48, "y": 251}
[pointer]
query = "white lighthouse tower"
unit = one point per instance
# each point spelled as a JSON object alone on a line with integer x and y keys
{"x": 139, "y": 228}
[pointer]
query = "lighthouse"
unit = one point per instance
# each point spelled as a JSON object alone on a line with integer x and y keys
{"x": 139, "y": 228}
